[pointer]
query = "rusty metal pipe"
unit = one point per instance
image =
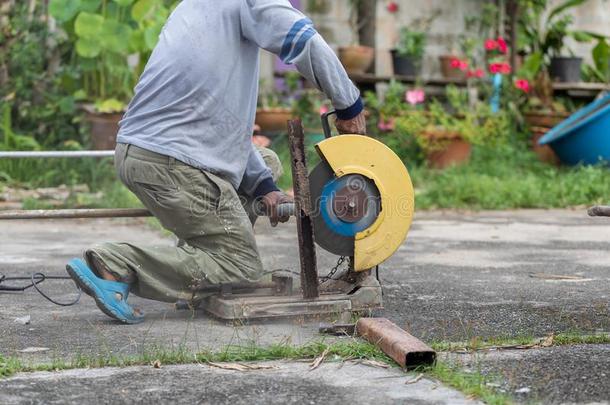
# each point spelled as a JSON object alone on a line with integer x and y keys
{"x": 599, "y": 211}
{"x": 75, "y": 213}
{"x": 406, "y": 350}
{"x": 287, "y": 208}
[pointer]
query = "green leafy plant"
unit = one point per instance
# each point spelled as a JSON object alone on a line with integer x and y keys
{"x": 411, "y": 44}
{"x": 104, "y": 34}
{"x": 436, "y": 127}
{"x": 412, "y": 39}
{"x": 34, "y": 84}
{"x": 600, "y": 69}
{"x": 543, "y": 31}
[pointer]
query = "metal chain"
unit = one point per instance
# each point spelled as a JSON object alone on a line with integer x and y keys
{"x": 334, "y": 270}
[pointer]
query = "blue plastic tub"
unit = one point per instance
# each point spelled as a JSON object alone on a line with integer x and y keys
{"x": 583, "y": 138}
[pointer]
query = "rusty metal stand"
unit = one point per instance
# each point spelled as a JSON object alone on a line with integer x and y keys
{"x": 302, "y": 196}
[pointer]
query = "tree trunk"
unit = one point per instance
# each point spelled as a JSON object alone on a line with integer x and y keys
{"x": 367, "y": 24}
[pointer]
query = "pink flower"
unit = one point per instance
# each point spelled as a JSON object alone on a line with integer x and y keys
{"x": 491, "y": 45}
{"x": 463, "y": 65}
{"x": 392, "y": 7}
{"x": 522, "y": 84}
{"x": 260, "y": 140}
{"x": 323, "y": 110}
{"x": 416, "y": 96}
{"x": 386, "y": 126}
{"x": 502, "y": 46}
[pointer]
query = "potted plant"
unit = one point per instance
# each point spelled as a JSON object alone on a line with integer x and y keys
{"x": 545, "y": 31}
{"x": 356, "y": 58}
{"x": 105, "y": 35}
{"x": 409, "y": 52}
{"x": 276, "y": 105}
{"x": 408, "y": 55}
{"x": 446, "y": 135}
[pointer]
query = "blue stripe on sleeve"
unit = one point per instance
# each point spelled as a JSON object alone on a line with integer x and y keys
{"x": 288, "y": 41}
{"x": 300, "y": 45}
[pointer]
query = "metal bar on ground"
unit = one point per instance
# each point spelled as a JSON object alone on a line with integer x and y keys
{"x": 599, "y": 211}
{"x": 406, "y": 350}
{"x": 302, "y": 196}
{"x": 75, "y": 213}
{"x": 56, "y": 154}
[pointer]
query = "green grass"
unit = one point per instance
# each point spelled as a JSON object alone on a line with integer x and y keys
{"x": 37, "y": 172}
{"x": 561, "y": 339}
{"x": 472, "y": 384}
{"x": 508, "y": 179}
{"x": 338, "y": 351}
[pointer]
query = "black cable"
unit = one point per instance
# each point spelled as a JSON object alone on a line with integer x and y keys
{"x": 36, "y": 279}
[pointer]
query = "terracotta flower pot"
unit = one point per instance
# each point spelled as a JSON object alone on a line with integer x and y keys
{"x": 544, "y": 119}
{"x": 447, "y": 70}
{"x": 104, "y": 129}
{"x": 273, "y": 119}
{"x": 452, "y": 150}
{"x": 544, "y": 152}
{"x": 356, "y": 59}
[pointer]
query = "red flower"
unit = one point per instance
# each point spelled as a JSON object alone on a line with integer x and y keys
{"x": 522, "y": 84}
{"x": 502, "y": 46}
{"x": 392, "y": 7}
{"x": 459, "y": 64}
{"x": 491, "y": 45}
{"x": 503, "y": 68}
{"x": 478, "y": 73}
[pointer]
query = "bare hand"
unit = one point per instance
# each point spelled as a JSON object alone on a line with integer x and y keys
{"x": 356, "y": 125}
{"x": 271, "y": 202}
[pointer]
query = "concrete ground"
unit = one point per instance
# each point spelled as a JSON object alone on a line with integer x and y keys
{"x": 282, "y": 383}
{"x": 459, "y": 276}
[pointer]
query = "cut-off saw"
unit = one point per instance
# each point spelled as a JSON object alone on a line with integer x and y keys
{"x": 357, "y": 203}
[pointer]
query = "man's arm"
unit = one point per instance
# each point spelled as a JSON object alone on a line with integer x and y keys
{"x": 258, "y": 182}
{"x": 279, "y": 28}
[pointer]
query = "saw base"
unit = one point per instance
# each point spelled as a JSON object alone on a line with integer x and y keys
{"x": 258, "y": 306}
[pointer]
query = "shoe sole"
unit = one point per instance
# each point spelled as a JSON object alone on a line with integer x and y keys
{"x": 86, "y": 286}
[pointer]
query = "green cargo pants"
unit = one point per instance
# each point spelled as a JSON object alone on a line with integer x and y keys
{"x": 209, "y": 217}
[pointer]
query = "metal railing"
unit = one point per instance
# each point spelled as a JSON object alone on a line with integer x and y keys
{"x": 56, "y": 154}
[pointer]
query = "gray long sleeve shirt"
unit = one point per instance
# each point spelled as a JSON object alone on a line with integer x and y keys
{"x": 196, "y": 99}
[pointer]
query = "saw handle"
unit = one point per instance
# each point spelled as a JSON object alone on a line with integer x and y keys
{"x": 326, "y": 125}
{"x": 284, "y": 209}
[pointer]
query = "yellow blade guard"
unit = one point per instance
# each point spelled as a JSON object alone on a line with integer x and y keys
{"x": 358, "y": 154}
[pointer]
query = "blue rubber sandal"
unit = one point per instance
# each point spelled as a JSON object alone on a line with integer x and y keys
{"x": 104, "y": 292}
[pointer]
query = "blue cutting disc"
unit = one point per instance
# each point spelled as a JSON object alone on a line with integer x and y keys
{"x": 332, "y": 191}
{"x": 344, "y": 205}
